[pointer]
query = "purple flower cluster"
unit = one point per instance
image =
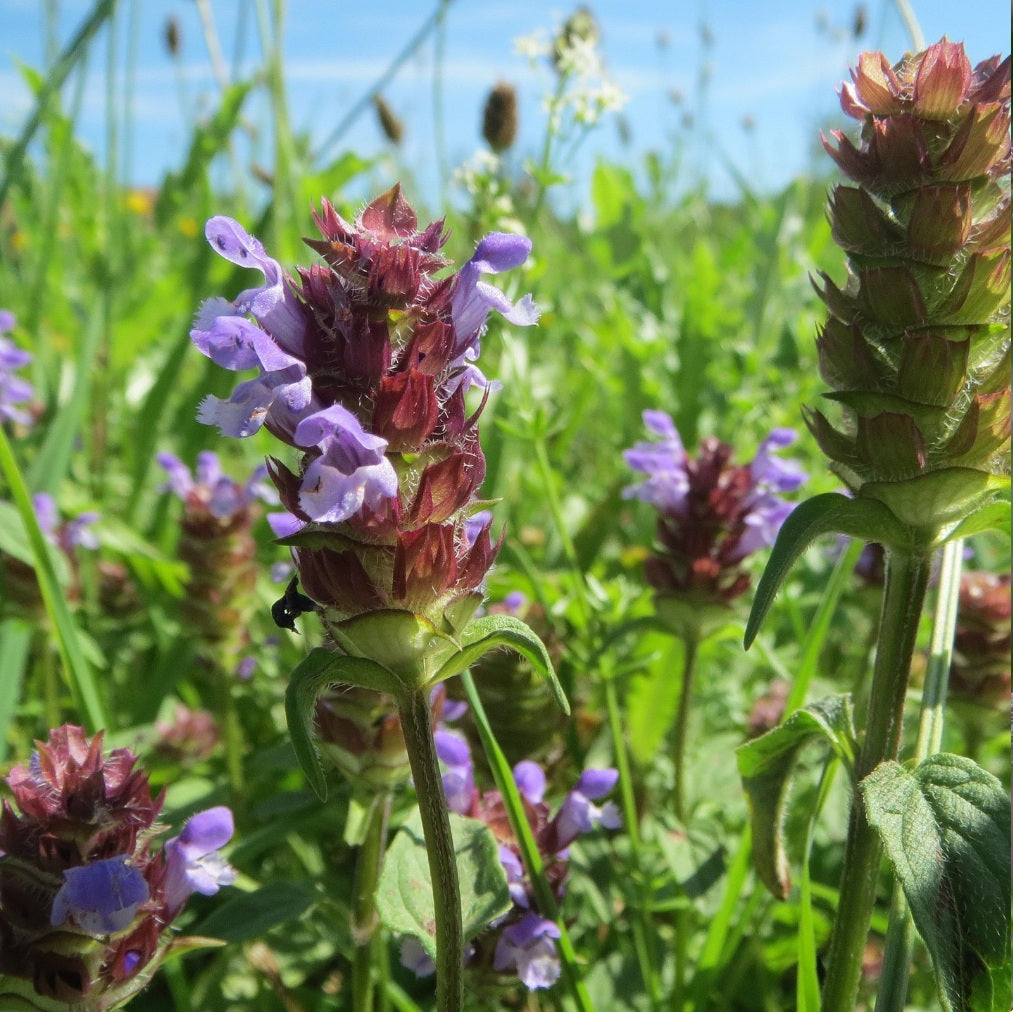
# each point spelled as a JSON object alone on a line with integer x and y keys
{"x": 713, "y": 514}
{"x": 362, "y": 365}
{"x": 13, "y": 389}
{"x": 86, "y": 822}
{"x": 67, "y": 534}
{"x": 209, "y": 490}
{"x": 103, "y": 897}
{"x": 349, "y": 468}
{"x": 524, "y": 940}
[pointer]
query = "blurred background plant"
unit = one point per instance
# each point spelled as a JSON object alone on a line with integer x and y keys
{"x": 673, "y": 272}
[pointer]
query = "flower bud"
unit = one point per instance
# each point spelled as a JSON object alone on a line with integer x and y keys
{"x": 499, "y": 118}
{"x": 916, "y": 345}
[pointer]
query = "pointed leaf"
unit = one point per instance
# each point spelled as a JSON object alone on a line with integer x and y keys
{"x": 766, "y": 764}
{"x": 946, "y": 828}
{"x": 320, "y": 668}
{"x": 830, "y": 513}
{"x": 251, "y": 915}
{"x": 490, "y": 631}
{"x": 404, "y": 897}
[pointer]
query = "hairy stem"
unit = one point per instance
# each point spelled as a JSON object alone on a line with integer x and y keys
{"x": 903, "y": 596}
{"x": 416, "y": 722}
{"x": 900, "y": 935}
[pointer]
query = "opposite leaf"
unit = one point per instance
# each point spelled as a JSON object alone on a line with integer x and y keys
{"x": 830, "y": 513}
{"x": 490, "y": 631}
{"x": 404, "y": 897}
{"x": 946, "y": 828}
{"x": 766, "y": 764}
{"x": 320, "y": 668}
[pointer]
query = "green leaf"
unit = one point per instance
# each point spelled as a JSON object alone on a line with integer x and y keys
{"x": 946, "y": 828}
{"x": 251, "y": 915}
{"x": 14, "y": 542}
{"x": 490, "y": 631}
{"x": 320, "y": 668}
{"x": 766, "y": 765}
{"x": 830, "y": 513}
{"x": 68, "y": 638}
{"x": 209, "y": 140}
{"x": 404, "y": 897}
{"x": 995, "y": 516}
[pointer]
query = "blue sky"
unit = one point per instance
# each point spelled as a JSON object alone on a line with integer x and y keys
{"x": 775, "y": 63}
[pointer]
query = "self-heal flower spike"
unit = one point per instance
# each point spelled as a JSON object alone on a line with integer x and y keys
{"x": 210, "y": 490}
{"x": 712, "y": 514}
{"x": 363, "y": 363}
{"x": 916, "y": 344}
{"x": 216, "y": 542}
{"x": 86, "y": 897}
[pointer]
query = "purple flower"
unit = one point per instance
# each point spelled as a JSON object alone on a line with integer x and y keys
{"x": 194, "y": 864}
{"x": 773, "y": 473}
{"x": 413, "y": 957}
{"x": 209, "y": 488}
{"x": 281, "y": 393}
{"x": 528, "y": 947}
{"x": 272, "y": 304}
{"x": 579, "y": 815}
{"x": 352, "y": 470}
{"x": 70, "y": 533}
{"x": 102, "y": 897}
{"x": 515, "y": 876}
{"x": 245, "y": 668}
{"x": 514, "y": 602}
{"x": 13, "y": 389}
{"x": 475, "y": 524}
{"x": 459, "y": 774}
{"x": 474, "y": 300}
{"x": 530, "y": 780}
{"x": 664, "y": 461}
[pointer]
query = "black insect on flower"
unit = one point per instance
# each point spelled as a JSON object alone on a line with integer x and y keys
{"x": 290, "y": 606}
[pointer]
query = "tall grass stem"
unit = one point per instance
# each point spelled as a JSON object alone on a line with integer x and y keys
{"x": 505, "y": 784}
{"x": 644, "y": 934}
{"x": 364, "y": 917}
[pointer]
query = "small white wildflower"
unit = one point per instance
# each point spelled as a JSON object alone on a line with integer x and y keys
{"x": 581, "y": 58}
{"x": 533, "y": 47}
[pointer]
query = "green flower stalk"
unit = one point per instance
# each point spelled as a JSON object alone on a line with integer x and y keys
{"x": 915, "y": 350}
